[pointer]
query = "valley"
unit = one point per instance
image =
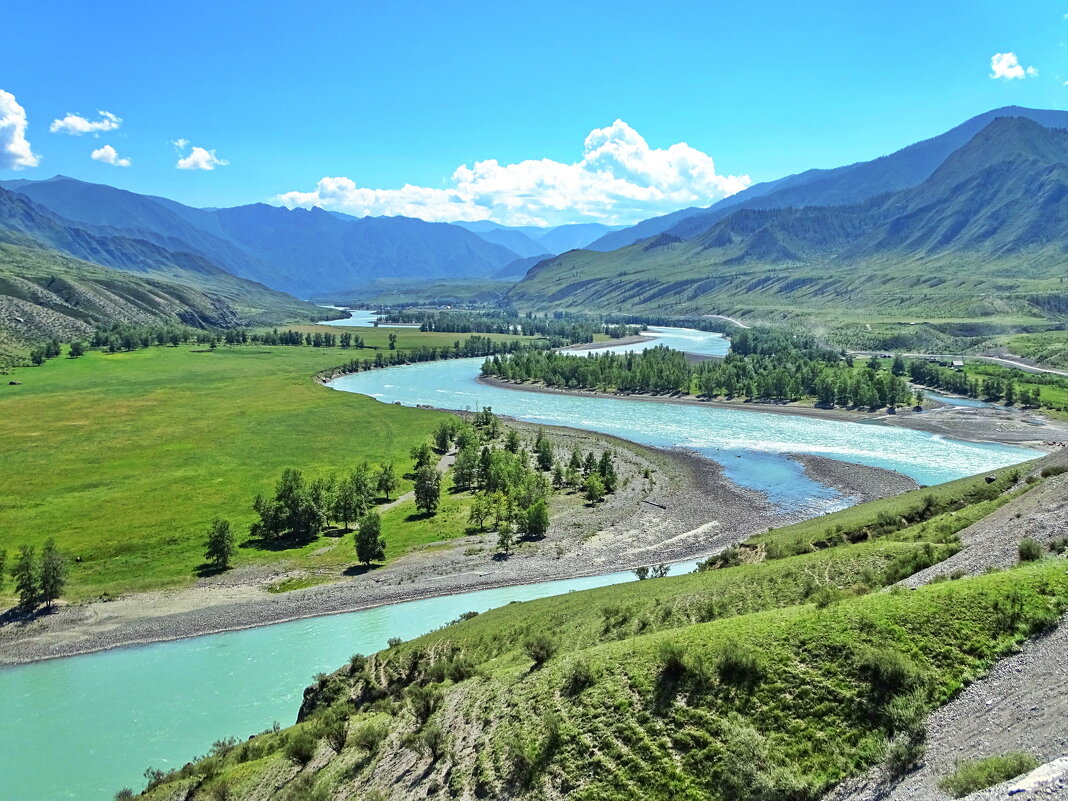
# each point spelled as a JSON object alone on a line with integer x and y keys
{"x": 745, "y": 502}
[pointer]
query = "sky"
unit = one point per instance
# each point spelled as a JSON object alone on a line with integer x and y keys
{"x": 522, "y": 113}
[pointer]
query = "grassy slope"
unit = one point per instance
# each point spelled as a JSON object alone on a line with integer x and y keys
{"x": 639, "y": 699}
{"x": 126, "y": 458}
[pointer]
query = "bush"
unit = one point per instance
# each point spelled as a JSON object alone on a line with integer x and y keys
{"x": 540, "y": 648}
{"x": 1054, "y": 470}
{"x": 970, "y": 777}
{"x": 672, "y": 659}
{"x": 825, "y": 596}
{"x": 124, "y": 794}
{"x": 1030, "y": 550}
{"x": 738, "y": 665}
{"x": 1058, "y": 545}
{"x": 423, "y": 701}
{"x": 888, "y": 671}
{"x": 300, "y": 747}
{"x": 580, "y": 677}
{"x": 303, "y": 789}
{"x": 369, "y": 736}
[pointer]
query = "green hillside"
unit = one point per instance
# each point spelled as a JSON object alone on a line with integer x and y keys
{"x": 978, "y": 240}
{"x": 775, "y": 673}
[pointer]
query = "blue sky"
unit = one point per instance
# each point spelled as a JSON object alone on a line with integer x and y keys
{"x": 383, "y": 95}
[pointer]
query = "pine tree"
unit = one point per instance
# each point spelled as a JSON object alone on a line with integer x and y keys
{"x": 25, "y": 575}
{"x": 220, "y": 545}
{"x": 370, "y": 547}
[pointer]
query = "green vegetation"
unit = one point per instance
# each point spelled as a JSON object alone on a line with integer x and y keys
{"x": 780, "y": 676}
{"x": 763, "y": 363}
{"x": 106, "y": 453}
{"x": 1045, "y": 347}
{"x": 560, "y": 329}
{"x": 971, "y": 777}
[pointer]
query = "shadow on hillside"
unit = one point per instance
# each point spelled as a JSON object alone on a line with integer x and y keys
{"x": 209, "y": 570}
{"x": 359, "y": 570}
{"x": 20, "y": 617}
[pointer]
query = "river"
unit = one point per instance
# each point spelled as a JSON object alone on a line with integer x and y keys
{"x": 83, "y": 727}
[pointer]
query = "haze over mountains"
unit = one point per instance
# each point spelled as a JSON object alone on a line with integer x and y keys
{"x": 988, "y": 196}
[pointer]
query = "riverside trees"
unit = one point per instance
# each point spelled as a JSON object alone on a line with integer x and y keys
{"x": 764, "y": 364}
{"x": 36, "y": 580}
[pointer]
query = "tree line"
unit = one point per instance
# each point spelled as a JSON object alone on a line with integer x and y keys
{"x": 560, "y": 328}
{"x": 762, "y": 364}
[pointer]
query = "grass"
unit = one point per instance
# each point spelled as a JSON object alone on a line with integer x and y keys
{"x": 730, "y": 683}
{"x": 971, "y": 777}
{"x": 126, "y": 458}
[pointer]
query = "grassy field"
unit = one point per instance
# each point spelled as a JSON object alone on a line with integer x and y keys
{"x": 126, "y": 458}
{"x": 773, "y": 679}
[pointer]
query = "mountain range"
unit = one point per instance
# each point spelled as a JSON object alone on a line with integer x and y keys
{"x": 982, "y": 234}
{"x": 969, "y": 223}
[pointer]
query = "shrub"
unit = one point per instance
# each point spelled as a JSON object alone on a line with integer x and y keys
{"x": 124, "y": 794}
{"x": 1054, "y": 470}
{"x": 539, "y": 647}
{"x": 672, "y": 659}
{"x": 334, "y": 728}
{"x": 738, "y": 665}
{"x": 580, "y": 677}
{"x": 1058, "y": 545}
{"x": 825, "y": 596}
{"x": 303, "y": 788}
{"x": 369, "y": 736}
{"x": 970, "y": 777}
{"x": 1030, "y": 550}
{"x": 393, "y": 642}
{"x": 300, "y": 747}
{"x": 423, "y": 701}
{"x": 888, "y": 671}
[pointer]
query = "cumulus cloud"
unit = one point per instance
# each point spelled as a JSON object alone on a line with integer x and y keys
{"x": 1007, "y": 66}
{"x": 76, "y": 125}
{"x": 15, "y": 150}
{"x": 198, "y": 158}
{"x": 619, "y": 179}
{"x": 108, "y": 155}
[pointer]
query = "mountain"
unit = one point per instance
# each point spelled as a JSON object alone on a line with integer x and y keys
{"x": 45, "y": 293}
{"x": 569, "y": 237}
{"x": 518, "y": 268}
{"x": 60, "y": 250}
{"x": 839, "y": 186}
{"x": 315, "y": 252}
{"x": 981, "y": 236}
{"x": 514, "y": 239}
{"x": 298, "y": 251}
{"x": 528, "y": 240}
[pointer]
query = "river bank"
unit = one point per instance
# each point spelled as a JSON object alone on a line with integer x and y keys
{"x": 1002, "y": 425}
{"x": 686, "y": 510}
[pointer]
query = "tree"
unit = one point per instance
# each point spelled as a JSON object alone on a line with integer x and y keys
{"x": 422, "y": 455}
{"x": 898, "y": 366}
{"x": 594, "y": 487}
{"x": 543, "y": 451}
{"x": 77, "y": 348}
{"x": 589, "y": 464}
{"x": 392, "y": 341}
{"x": 427, "y": 489}
{"x": 607, "y": 469}
{"x": 443, "y": 435}
{"x": 481, "y": 508}
{"x": 3, "y": 563}
{"x": 53, "y": 573}
{"x": 465, "y": 468}
{"x": 220, "y": 546}
{"x": 505, "y": 537}
{"x": 511, "y": 441}
{"x": 348, "y": 505}
{"x": 537, "y": 519}
{"x": 370, "y": 547}
{"x": 25, "y": 575}
{"x": 386, "y": 482}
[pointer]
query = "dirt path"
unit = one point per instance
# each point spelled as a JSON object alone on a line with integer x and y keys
{"x": 444, "y": 463}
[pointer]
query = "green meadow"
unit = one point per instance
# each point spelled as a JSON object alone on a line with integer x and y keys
{"x": 126, "y": 458}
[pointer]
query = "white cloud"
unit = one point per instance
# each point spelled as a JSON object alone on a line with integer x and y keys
{"x": 15, "y": 150}
{"x": 619, "y": 179}
{"x": 1007, "y": 66}
{"x": 198, "y": 159}
{"x": 76, "y": 125}
{"x": 108, "y": 155}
